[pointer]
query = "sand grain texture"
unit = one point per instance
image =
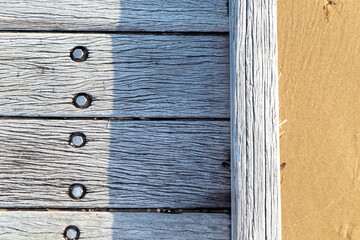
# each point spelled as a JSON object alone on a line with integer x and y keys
{"x": 319, "y": 49}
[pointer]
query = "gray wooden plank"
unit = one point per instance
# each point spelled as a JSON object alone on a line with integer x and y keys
{"x": 127, "y": 75}
{"x": 124, "y": 164}
{"x": 31, "y": 225}
{"x": 255, "y": 171}
{"x": 115, "y": 15}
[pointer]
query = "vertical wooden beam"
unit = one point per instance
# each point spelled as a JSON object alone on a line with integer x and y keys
{"x": 256, "y": 209}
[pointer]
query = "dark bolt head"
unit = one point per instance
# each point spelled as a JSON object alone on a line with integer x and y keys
{"x": 77, "y": 139}
{"x": 77, "y": 191}
{"x": 79, "y": 54}
{"x": 82, "y": 100}
{"x": 72, "y": 233}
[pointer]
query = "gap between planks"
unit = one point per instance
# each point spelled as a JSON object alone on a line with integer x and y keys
{"x": 149, "y": 210}
{"x": 113, "y": 118}
{"x": 122, "y": 32}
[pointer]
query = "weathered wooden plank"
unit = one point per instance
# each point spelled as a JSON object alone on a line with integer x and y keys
{"x": 127, "y": 75}
{"x": 115, "y": 15}
{"x": 254, "y": 121}
{"x": 124, "y": 164}
{"x": 114, "y": 225}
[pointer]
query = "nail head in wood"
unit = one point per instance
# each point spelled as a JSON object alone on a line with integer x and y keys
{"x": 226, "y": 165}
{"x": 82, "y": 100}
{"x": 72, "y": 233}
{"x": 77, "y": 140}
{"x": 77, "y": 191}
{"x": 79, "y": 54}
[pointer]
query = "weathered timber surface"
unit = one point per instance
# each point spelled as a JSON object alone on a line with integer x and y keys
{"x": 124, "y": 164}
{"x": 32, "y": 225}
{"x": 255, "y": 173}
{"x": 115, "y": 15}
{"x": 127, "y": 75}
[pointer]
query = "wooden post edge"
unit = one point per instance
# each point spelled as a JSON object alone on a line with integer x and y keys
{"x": 255, "y": 170}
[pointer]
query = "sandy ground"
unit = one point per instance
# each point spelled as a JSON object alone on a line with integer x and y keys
{"x": 319, "y": 62}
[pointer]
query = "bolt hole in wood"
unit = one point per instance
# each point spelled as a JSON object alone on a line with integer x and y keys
{"x": 77, "y": 140}
{"x": 82, "y": 100}
{"x": 72, "y": 233}
{"x": 77, "y": 191}
{"x": 79, "y": 54}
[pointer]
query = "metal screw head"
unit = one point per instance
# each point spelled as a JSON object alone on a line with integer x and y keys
{"x": 82, "y": 100}
{"x": 71, "y": 233}
{"x": 79, "y": 54}
{"x": 77, "y": 139}
{"x": 77, "y": 191}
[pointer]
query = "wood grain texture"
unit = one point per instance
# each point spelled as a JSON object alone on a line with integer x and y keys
{"x": 127, "y": 75}
{"x": 254, "y": 121}
{"x": 115, "y": 15}
{"x": 32, "y": 225}
{"x": 124, "y": 164}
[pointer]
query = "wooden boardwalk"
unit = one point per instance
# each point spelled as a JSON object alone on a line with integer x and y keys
{"x": 149, "y": 132}
{"x": 122, "y": 120}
